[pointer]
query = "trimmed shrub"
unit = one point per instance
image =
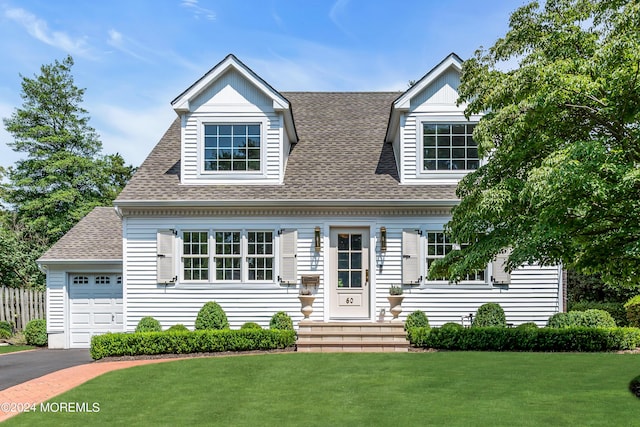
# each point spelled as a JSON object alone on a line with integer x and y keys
{"x": 490, "y": 314}
{"x": 417, "y": 319}
{"x": 4, "y": 334}
{"x": 35, "y": 333}
{"x": 571, "y": 319}
{"x": 452, "y": 325}
{"x": 595, "y": 318}
{"x": 148, "y": 324}
{"x": 634, "y": 386}
{"x": 185, "y": 342}
{"x": 250, "y": 325}
{"x": 282, "y": 321}
{"x": 615, "y": 309}
{"x": 633, "y": 311}
{"x": 177, "y": 328}
{"x": 528, "y": 339}
{"x": 211, "y": 317}
{"x": 527, "y": 325}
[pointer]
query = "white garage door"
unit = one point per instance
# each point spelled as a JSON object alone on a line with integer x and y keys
{"x": 95, "y": 306}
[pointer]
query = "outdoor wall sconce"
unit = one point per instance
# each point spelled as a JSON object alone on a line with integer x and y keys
{"x": 383, "y": 239}
{"x": 316, "y": 238}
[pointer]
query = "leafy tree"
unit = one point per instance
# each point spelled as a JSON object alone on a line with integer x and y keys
{"x": 19, "y": 250}
{"x": 561, "y": 134}
{"x": 63, "y": 175}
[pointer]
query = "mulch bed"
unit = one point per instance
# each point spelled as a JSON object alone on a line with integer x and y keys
{"x": 193, "y": 355}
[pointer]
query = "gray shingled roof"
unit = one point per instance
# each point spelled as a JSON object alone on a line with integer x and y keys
{"x": 98, "y": 236}
{"x": 341, "y": 156}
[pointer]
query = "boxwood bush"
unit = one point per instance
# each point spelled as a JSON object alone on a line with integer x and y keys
{"x": 250, "y": 325}
{"x": 35, "y": 333}
{"x": 211, "y": 317}
{"x": 615, "y": 309}
{"x": 203, "y": 341}
{"x": 417, "y": 319}
{"x": 633, "y": 311}
{"x": 579, "y": 339}
{"x": 490, "y": 314}
{"x": 592, "y": 318}
{"x": 281, "y": 320}
{"x": 177, "y": 328}
{"x": 148, "y": 324}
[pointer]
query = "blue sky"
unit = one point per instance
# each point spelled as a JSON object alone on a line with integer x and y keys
{"x": 134, "y": 56}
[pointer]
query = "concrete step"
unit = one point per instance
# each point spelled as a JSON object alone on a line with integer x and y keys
{"x": 351, "y": 337}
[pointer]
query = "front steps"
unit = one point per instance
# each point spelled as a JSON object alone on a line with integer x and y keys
{"x": 351, "y": 337}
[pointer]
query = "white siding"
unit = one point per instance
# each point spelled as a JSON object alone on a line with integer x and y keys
{"x": 56, "y": 299}
{"x": 533, "y": 294}
{"x": 232, "y": 98}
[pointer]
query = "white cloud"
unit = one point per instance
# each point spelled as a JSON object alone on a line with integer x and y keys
{"x": 338, "y": 10}
{"x": 120, "y": 42}
{"x": 39, "y": 30}
{"x": 198, "y": 11}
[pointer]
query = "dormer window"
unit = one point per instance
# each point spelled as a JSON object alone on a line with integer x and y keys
{"x": 448, "y": 147}
{"x": 232, "y": 147}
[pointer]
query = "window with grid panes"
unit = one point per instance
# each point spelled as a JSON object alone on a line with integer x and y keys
{"x": 232, "y": 147}
{"x": 195, "y": 255}
{"x": 260, "y": 255}
{"x": 228, "y": 255}
{"x": 449, "y": 147}
{"x": 438, "y": 245}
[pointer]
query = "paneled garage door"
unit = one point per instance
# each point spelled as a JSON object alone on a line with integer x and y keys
{"x": 95, "y": 306}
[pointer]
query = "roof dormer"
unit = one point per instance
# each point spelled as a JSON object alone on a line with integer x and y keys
{"x": 432, "y": 139}
{"x": 236, "y": 128}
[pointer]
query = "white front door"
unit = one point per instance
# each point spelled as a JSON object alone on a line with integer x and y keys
{"x": 349, "y": 278}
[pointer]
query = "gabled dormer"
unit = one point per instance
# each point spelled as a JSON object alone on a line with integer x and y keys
{"x": 432, "y": 139}
{"x": 235, "y": 128}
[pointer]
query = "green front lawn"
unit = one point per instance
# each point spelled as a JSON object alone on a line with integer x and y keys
{"x": 445, "y": 388}
{"x": 12, "y": 348}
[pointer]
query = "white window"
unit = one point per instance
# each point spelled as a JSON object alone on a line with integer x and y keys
{"x": 195, "y": 255}
{"x": 103, "y": 280}
{"x": 235, "y": 256}
{"x": 232, "y": 147}
{"x": 438, "y": 245}
{"x": 449, "y": 147}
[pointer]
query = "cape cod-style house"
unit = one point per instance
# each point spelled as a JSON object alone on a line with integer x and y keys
{"x": 251, "y": 191}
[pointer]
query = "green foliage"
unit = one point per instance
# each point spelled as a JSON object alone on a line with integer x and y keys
{"x": 4, "y": 334}
{"x": 211, "y": 316}
{"x": 595, "y": 318}
{"x": 185, "y": 342}
{"x": 36, "y": 332}
{"x": 417, "y": 319}
{"x": 282, "y": 321}
{"x": 20, "y": 247}
{"x": 634, "y": 386}
{"x": 633, "y": 311}
{"x": 452, "y": 325}
{"x": 527, "y": 325}
{"x": 615, "y": 309}
{"x": 175, "y": 328}
{"x": 490, "y": 314}
{"x": 6, "y": 326}
{"x": 579, "y": 339}
{"x": 562, "y": 140}
{"x": 250, "y": 325}
{"x": 61, "y": 176}
{"x": 395, "y": 290}
{"x": 591, "y": 288}
{"x": 148, "y": 324}
{"x": 592, "y": 318}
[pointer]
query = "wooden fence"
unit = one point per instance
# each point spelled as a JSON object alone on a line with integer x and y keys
{"x": 18, "y": 306}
